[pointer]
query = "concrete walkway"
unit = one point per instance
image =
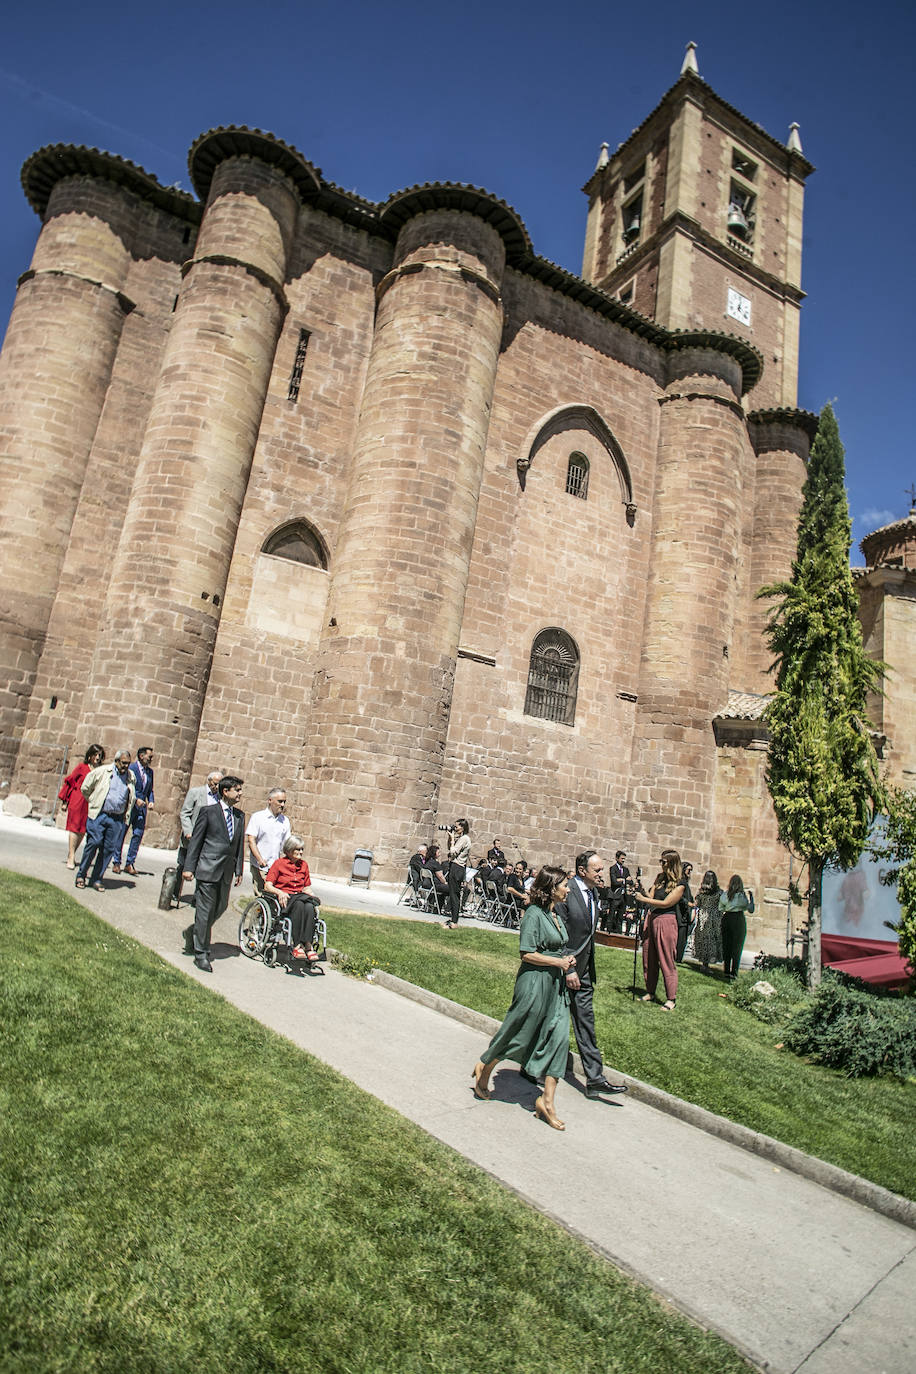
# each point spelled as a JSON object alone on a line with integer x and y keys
{"x": 795, "y": 1276}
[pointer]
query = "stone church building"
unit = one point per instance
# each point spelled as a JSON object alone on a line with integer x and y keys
{"x": 372, "y": 501}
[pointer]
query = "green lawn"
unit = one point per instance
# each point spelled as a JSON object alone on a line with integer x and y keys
{"x": 708, "y": 1051}
{"x": 183, "y": 1190}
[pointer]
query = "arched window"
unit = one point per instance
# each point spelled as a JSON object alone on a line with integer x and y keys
{"x": 553, "y": 677}
{"x": 577, "y": 476}
{"x": 298, "y": 543}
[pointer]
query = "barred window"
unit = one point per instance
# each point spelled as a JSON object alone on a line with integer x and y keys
{"x": 297, "y": 543}
{"x": 295, "y": 377}
{"x": 577, "y": 476}
{"x": 553, "y": 677}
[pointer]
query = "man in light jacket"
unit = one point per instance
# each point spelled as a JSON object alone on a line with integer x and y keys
{"x": 111, "y": 794}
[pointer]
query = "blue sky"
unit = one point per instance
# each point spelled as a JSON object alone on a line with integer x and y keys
{"x": 517, "y": 98}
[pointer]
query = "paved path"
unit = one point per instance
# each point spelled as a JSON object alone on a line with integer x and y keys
{"x": 795, "y": 1276}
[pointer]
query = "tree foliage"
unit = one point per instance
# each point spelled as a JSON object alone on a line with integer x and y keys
{"x": 822, "y": 770}
{"x": 899, "y": 845}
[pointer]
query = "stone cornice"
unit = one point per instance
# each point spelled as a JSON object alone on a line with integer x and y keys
{"x": 237, "y": 140}
{"x": 750, "y": 360}
{"x": 227, "y": 260}
{"x": 785, "y": 415}
{"x": 446, "y": 195}
{"x": 36, "y": 273}
{"x": 53, "y": 163}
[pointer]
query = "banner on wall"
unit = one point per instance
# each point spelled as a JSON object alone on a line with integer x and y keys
{"x": 856, "y": 904}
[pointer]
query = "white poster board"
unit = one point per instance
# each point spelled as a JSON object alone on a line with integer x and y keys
{"x": 856, "y": 903}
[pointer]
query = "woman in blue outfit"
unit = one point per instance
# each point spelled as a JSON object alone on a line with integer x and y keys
{"x": 535, "y": 1032}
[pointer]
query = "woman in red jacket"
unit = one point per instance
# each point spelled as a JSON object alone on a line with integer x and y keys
{"x": 72, "y": 798}
{"x": 288, "y": 879}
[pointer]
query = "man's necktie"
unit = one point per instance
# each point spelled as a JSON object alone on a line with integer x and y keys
{"x": 229, "y": 820}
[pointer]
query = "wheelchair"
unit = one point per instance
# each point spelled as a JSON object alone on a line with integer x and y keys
{"x": 264, "y": 930}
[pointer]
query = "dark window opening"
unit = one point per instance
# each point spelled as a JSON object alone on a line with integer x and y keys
{"x": 553, "y": 677}
{"x": 295, "y": 377}
{"x": 297, "y": 543}
{"x": 634, "y": 178}
{"x": 577, "y": 476}
{"x": 632, "y": 220}
{"x": 741, "y": 213}
{"x": 743, "y": 165}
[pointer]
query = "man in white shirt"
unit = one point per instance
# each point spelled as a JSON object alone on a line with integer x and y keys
{"x": 267, "y": 832}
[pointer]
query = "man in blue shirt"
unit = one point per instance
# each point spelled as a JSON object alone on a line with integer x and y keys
{"x": 110, "y": 793}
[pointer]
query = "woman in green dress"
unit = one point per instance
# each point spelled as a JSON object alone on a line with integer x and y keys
{"x": 535, "y": 1032}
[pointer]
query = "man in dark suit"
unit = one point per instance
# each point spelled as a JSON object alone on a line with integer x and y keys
{"x": 617, "y": 881}
{"x": 215, "y": 853}
{"x": 143, "y": 800}
{"x": 495, "y": 856}
{"x": 580, "y": 915}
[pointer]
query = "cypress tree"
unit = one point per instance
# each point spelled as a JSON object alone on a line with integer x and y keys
{"x": 822, "y": 770}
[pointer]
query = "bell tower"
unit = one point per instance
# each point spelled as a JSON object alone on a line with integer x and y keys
{"x": 696, "y": 222}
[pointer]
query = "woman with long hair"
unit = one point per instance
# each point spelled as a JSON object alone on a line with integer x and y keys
{"x": 734, "y": 904}
{"x": 459, "y": 854}
{"x": 660, "y": 928}
{"x": 535, "y": 1033}
{"x": 71, "y": 796}
{"x": 707, "y": 935}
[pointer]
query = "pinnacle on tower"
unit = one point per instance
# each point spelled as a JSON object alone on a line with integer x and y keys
{"x": 689, "y": 63}
{"x": 603, "y": 158}
{"x": 794, "y": 144}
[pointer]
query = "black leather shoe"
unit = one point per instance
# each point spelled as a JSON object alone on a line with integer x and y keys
{"x": 202, "y": 962}
{"x": 601, "y": 1086}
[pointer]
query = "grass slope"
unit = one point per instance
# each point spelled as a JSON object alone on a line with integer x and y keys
{"x": 709, "y": 1051}
{"x": 183, "y": 1190}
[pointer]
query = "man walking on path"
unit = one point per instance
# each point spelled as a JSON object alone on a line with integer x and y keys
{"x": 109, "y": 791}
{"x": 143, "y": 800}
{"x": 267, "y": 833}
{"x": 215, "y": 853}
{"x": 207, "y": 795}
{"x": 580, "y": 914}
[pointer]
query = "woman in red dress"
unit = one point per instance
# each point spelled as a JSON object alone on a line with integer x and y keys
{"x": 72, "y": 798}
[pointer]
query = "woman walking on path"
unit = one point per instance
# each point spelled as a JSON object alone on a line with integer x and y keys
{"x": 707, "y": 937}
{"x": 660, "y": 938}
{"x": 535, "y": 1033}
{"x": 734, "y": 904}
{"x": 77, "y": 806}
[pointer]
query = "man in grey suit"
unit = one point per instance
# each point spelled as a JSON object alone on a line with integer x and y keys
{"x": 215, "y": 854}
{"x": 580, "y": 915}
{"x": 194, "y": 800}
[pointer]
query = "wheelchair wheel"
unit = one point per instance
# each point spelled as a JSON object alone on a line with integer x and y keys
{"x": 254, "y": 928}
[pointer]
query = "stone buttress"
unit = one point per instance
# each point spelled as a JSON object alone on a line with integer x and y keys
{"x": 703, "y": 501}
{"x": 54, "y": 374}
{"x": 154, "y": 651}
{"x": 385, "y": 667}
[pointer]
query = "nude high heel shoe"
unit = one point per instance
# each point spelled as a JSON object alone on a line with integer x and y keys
{"x": 544, "y": 1112}
{"x": 482, "y": 1093}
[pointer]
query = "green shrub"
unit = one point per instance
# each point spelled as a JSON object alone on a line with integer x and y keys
{"x": 855, "y": 1031}
{"x": 752, "y": 993}
{"x": 766, "y": 963}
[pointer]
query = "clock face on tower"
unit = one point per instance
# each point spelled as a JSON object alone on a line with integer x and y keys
{"x": 738, "y": 307}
